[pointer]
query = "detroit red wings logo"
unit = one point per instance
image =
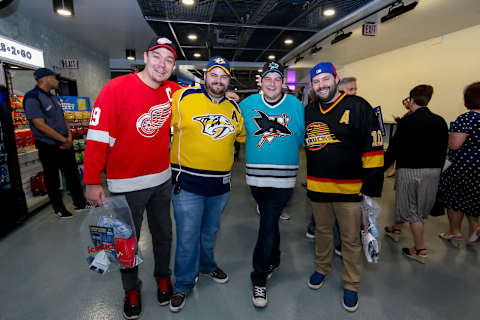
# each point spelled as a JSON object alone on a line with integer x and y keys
{"x": 149, "y": 123}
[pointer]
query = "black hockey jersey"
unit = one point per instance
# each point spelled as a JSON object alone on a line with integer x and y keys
{"x": 344, "y": 148}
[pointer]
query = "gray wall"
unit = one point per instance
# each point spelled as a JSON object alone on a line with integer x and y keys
{"x": 94, "y": 70}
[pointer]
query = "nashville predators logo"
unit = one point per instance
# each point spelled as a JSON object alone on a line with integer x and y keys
{"x": 219, "y": 61}
{"x": 216, "y": 126}
{"x": 318, "y": 135}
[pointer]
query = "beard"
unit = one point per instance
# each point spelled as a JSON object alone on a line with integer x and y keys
{"x": 332, "y": 91}
{"x": 218, "y": 92}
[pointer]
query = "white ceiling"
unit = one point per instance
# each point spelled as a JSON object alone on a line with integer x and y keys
{"x": 430, "y": 19}
{"x": 111, "y": 26}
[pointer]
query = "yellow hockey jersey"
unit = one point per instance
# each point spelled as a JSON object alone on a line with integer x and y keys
{"x": 204, "y": 131}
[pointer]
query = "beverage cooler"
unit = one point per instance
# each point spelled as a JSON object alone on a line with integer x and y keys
{"x": 22, "y": 187}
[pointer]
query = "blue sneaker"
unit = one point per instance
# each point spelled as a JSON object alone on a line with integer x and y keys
{"x": 316, "y": 280}
{"x": 350, "y": 300}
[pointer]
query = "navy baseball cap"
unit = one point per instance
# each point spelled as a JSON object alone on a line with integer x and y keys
{"x": 220, "y": 62}
{"x": 162, "y": 42}
{"x": 273, "y": 66}
{"x": 323, "y": 67}
{"x": 43, "y": 72}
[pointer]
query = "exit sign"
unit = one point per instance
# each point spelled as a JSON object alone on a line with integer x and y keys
{"x": 369, "y": 29}
{"x": 70, "y": 63}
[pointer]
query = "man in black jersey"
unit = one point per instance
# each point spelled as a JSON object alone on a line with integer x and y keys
{"x": 344, "y": 149}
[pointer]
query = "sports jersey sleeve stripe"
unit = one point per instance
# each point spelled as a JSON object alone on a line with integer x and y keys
{"x": 103, "y": 128}
{"x": 100, "y": 136}
{"x": 373, "y": 159}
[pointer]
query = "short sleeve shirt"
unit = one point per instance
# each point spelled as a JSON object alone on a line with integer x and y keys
{"x": 38, "y": 103}
{"x": 469, "y": 123}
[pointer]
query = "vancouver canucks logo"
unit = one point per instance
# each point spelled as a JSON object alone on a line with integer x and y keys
{"x": 216, "y": 126}
{"x": 270, "y": 127}
{"x": 318, "y": 135}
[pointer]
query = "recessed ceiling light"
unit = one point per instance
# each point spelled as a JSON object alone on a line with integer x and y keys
{"x": 61, "y": 7}
{"x": 188, "y": 2}
{"x": 64, "y": 12}
{"x": 288, "y": 41}
{"x": 271, "y": 57}
{"x": 197, "y": 55}
{"x": 328, "y": 12}
{"x": 260, "y": 70}
{"x": 192, "y": 36}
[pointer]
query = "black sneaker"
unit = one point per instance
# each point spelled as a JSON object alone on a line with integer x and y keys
{"x": 164, "y": 291}
{"x": 64, "y": 214}
{"x": 259, "y": 297}
{"x": 177, "y": 302}
{"x": 87, "y": 206}
{"x": 218, "y": 275}
{"x": 132, "y": 307}
{"x": 272, "y": 268}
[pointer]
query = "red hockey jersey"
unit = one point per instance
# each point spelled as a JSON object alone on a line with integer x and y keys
{"x": 128, "y": 135}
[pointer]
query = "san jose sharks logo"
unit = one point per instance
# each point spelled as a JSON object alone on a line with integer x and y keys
{"x": 273, "y": 65}
{"x": 270, "y": 127}
{"x": 216, "y": 126}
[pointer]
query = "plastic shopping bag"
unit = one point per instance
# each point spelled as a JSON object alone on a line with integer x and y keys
{"x": 369, "y": 232}
{"x": 109, "y": 238}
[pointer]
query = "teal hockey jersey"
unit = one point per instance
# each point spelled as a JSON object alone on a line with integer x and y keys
{"x": 274, "y": 134}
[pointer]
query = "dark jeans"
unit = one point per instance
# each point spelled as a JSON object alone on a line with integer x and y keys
{"x": 54, "y": 159}
{"x": 156, "y": 201}
{"x": 271, "y": 202}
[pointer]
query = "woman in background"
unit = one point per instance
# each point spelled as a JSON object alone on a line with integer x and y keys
{"x": 460, "y": 183}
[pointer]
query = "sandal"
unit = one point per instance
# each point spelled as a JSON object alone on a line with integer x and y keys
{"x": 450, "y": 236}
{"x": 393, "y": 233}
{"x": 475, "y": 236}
{"x": 422, "y": 258}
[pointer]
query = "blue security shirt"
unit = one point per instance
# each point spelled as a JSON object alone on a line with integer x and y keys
{"x": 38, "y": 103}
{"x": 274, "y": 134}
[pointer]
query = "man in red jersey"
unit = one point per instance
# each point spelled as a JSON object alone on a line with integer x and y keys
{"x": 129, "y": 138}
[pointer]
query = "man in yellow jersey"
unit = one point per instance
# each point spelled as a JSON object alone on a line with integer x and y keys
{"x": 205, "y": 126}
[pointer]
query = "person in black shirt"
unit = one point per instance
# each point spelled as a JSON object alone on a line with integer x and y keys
{"x": 419, "y": 147}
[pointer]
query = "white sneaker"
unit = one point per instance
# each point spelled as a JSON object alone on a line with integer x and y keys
{"x": 259, "y": 297}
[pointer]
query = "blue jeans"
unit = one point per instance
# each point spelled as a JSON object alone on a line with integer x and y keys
{"x": 197, "y": 222}
{"x": 271, "y": 202}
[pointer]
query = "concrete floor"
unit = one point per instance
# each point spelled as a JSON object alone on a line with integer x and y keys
{"x": 44, "y": 275}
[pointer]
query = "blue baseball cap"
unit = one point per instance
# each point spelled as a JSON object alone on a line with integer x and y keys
{"x": 323, "y": 67}
{"x": 273, "y": 66}
{"x": 43, "y": 72}
{"x": 220, "y": 62}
